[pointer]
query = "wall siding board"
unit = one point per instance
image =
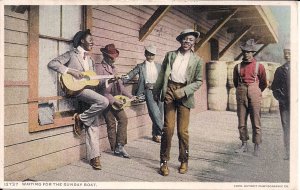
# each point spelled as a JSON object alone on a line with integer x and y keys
{"x": 15, "y": 95}
{"x": 15, "y": 50}
{"x": 15, "y": 75}
{"x": 14, "y": 114}
{"x": 15, "y": 37}
{"x": 8, "y": 12}
{"x": 15, "y": 24}
{"x": 15, "y": 62}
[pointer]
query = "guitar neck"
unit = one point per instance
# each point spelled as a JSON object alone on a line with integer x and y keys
{"x": 99, "y": 77}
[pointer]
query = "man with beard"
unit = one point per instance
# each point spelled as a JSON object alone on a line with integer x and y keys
{"x": 179, "y": 78}
{"x": 74, "y": 62}
{"x": 281, "y": 91}
{"x": 249, "y": 79}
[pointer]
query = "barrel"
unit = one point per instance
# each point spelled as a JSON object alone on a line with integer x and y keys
{"x": 232, "y": 104}
{"x": 274, "y": 107}
{"x": 216, "y": 73}
{"x": 217, "y": 98}
{"x": 230, "y": 67}
{"x": 266, "y": 101}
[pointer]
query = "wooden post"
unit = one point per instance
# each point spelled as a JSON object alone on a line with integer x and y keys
{"x": 235, "y": 40}
{"x": 147, "y": 28}
{"x": 214, "y": 30}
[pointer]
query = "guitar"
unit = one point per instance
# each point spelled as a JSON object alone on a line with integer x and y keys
{"x": 72, "y": 85}
{"x": 127, "y": 101}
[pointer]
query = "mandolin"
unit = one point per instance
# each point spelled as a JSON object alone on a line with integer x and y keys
{"x": 127, "y": 101}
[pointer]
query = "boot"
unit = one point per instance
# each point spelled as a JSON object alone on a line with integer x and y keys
{"x": 120, "y": 151}
{"x": 164, "y": 170}
{"x": 183, "y": 168}
{"x": 243, "y": 148}
{"x": 256, "y": 149}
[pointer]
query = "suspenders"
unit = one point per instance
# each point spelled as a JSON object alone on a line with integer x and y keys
{"x": 255, "y": 72}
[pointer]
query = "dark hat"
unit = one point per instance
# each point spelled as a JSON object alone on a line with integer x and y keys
{"x": 250, "y": 45}
{"x": 79, "y": 35}
{"x": 188, "y": 32}
{"x": 110, "y": 50}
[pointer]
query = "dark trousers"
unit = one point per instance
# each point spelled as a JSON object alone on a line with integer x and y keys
{"x": 249, "y": 102}
{"x": 285, "y": 121}
{"x": 171, "y": 107}
{"x": 116, "y": 133}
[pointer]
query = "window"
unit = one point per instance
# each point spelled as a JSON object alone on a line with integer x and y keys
{"x": 51, "y": 29}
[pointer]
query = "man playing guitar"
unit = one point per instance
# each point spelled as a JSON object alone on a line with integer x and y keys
{"x": 75, "y": 62}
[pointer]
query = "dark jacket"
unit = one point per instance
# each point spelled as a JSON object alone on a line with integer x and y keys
{"x": 281, "y": 83}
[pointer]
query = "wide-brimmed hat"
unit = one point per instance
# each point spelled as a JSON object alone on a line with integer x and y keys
{"x": 249, "y": 45}
{"x": 79, "y": 35}
{"x": 151, "y": 48}
{"x": 188, "y": 32}
{"x": 110, "y": 50}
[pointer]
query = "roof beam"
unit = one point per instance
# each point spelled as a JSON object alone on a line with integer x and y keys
{"x": 235, "y": 40}
{"x": 214, "y": 30}
{"x": 260, "y": 49}
{"x": 147, "y": 28}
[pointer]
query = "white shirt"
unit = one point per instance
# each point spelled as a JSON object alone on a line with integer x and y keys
{"x": 151, "y": 72}
{"x": 178, "y": 73}
{"x": 85, "y": 65}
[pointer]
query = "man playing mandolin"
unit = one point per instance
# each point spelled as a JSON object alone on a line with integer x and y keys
{"x": 75, "y": 62}
{"x": 117, "y": 135}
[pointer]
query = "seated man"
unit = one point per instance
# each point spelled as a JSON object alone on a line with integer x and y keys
{"x": 74, "y": 62}
{"x": 148, "y": 72}
{"x": 117, "y": 136}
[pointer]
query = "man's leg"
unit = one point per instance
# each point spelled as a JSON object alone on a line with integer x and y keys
{"x": 154, "y": 113}
{"x": 111, "y": 127}
{"x": 285, "y": 121}
{"x": 183, "y": 117}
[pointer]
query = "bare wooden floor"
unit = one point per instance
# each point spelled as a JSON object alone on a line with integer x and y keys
{"x": 213, "y": 138}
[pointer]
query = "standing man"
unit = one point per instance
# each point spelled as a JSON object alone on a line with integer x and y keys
{"x": 74, "y": 62}
{"x": 148, "y": 72}
{"x": 249, "y": 79}
{"x": 117, "y": 135}
{"x": 179, "y": 78}
{"x": 281, "y": 91}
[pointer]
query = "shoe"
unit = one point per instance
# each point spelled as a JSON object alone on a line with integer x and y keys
{"x": 183, "y": 168}
{"x": 243, "y": 148}
{"x": 156, "y": 139}
{"x": 95, "y": 163}
{"x": 164, "y": 170}
{"x": 256, "y": 150}
{"x": 286, "y": 157}
{"x": 77, "y": 127}
{"x": 120, "y": 151}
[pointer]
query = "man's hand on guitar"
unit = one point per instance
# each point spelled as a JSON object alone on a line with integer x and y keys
{"x": 76, "y": 74}
{"x": 118, "y": 104}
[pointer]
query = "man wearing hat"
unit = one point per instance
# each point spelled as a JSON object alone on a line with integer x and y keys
{"x": 179, "y": 78}
{"x": 249, "y": 79}
{"x": 148, "y": 72}
{"x": 281, "y": 91}
{"x": 117, "y": 135}
{"x": 74, "y": 62}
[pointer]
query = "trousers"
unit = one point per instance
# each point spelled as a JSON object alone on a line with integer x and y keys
{"x": 90, "y": 119}
{"x": 155, "y": 110}
{"x": 248, "y": 98}
{"x": 175, "y": 109}
{"x": 285, "y": 121}
{"x": 117, "y": 133}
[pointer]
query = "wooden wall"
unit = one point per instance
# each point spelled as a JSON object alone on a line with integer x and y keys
{"x": 28, "y": 154}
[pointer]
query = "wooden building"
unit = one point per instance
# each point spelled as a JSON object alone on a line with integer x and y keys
{"x": 36, "y": 34}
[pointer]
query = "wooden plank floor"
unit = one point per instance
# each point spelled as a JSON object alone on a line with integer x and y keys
{"x": 213, "y": 139}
